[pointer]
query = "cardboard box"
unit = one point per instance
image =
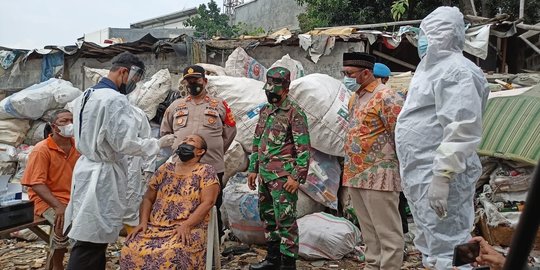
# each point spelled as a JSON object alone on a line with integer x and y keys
{"x": 502, "y": 235}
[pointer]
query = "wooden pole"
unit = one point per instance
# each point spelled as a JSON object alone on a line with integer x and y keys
{"x": 395, "y": 60}
{"x": 521, "y": 8}
{"x": 375, "y": 25}
{"x": 528, "y": 27}
{"x": 504, "y": 49}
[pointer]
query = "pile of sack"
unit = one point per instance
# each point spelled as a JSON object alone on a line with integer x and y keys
{"x": 324, "y": 100}
{"x": 147, "y": 95}
{"x": 23, "y": 117}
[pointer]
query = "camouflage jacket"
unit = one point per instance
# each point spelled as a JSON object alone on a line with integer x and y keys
{"x": 281, "y": 143}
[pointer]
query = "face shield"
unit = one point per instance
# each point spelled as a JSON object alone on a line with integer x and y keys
{"x": 136, "y": 74}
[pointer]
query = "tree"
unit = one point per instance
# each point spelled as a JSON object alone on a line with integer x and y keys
{"x": 209, "y": 22}
{"x": 324, "y": 13}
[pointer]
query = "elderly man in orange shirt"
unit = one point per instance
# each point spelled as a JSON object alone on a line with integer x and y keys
{"x": 48, "y": 174}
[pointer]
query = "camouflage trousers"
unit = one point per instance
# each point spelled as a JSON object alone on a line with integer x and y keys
{"x": 277, "y": 209}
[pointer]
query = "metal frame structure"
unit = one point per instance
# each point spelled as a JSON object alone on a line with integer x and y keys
{"x": 229, "y": 5}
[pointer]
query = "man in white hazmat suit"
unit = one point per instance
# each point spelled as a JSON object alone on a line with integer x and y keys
{"x": 106, "y": 131}
{"x": 438, "y": 131}
{"x": 140, "y": 169}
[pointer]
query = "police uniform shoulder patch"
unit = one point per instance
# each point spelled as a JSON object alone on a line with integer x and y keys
{"x": 229, "y": 117}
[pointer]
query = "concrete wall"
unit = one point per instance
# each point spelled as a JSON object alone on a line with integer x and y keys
{"x": 24, "y": 75}
{"x": 30, "y": 72}
{"x": 174, "y": 24}
{"x": 153, "y": 64}
{"x": 269, "y": 14}
{"x": 328, "y": 64}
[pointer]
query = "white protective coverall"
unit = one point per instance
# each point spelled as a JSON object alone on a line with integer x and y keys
{"x": 108, "y": 132}
{"x": 137, "y": 184}
{"x": 437, "y": 133}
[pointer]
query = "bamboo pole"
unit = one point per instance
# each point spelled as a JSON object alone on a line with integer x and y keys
{"x": 395, "y": 60}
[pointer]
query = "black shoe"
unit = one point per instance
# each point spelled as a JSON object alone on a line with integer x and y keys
{"x": 272, "y": 260}
{"x": 288, "y": 263}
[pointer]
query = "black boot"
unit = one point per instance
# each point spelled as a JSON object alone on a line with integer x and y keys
{"x": 272, "y": 260}
{"x": 288, "y": 263}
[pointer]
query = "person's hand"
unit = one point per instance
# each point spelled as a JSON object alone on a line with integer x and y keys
{"x": 438, "y": 195}
{"x": 166, "y": 141}
{"x": 291, "y": 185}
{"x": 252, "y": 178}
{"x": 488, "y": 255}
{"x": 140, "y": 228}
{"x": 59, "y": 219}
{"x": 183, "y": 234}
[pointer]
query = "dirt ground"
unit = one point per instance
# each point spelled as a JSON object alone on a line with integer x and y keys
{"x": 19, "y": 254}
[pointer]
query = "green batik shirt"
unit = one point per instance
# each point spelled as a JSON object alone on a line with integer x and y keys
{"x": 281, "y": 143}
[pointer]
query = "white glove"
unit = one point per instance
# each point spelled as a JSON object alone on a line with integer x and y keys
{"x": 438, "y": 195}
{"x": 166, "y": 141}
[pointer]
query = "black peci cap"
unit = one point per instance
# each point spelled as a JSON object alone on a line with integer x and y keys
{"x": 358, "y": 59}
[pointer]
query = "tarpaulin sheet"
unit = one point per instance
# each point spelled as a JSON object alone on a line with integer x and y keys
{"x": 511, "y": 127}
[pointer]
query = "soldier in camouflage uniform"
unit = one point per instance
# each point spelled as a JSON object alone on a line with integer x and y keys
{"x": 280, "y": 158}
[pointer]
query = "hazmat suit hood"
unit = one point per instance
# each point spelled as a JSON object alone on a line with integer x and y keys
{"x": 445, "y": 32}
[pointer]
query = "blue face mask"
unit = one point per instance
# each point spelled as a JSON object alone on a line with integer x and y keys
{"x": 422, "y": 46}
{"x": 351, "y": 84}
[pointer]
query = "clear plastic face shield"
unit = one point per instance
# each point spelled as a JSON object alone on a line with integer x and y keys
{"x": 136, "y": 74}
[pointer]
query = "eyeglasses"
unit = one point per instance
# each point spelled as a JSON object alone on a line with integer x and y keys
{"x": 349, "y": 73}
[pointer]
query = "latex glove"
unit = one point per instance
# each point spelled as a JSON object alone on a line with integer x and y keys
{"x": 438, "y": 195}
{"x": 166, "y": 141}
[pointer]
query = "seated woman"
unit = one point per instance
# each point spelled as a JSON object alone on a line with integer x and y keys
{"x": 174, "y": 213}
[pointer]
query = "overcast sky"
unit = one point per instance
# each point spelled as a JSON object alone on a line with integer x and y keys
{"x": 30, "y": 24}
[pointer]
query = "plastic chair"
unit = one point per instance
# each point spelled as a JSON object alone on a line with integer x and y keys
{"x": 212, "y": 243}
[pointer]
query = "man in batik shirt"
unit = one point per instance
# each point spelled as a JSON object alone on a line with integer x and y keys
{"x": 280, "y": 160}
{"x": 371, "y": 171}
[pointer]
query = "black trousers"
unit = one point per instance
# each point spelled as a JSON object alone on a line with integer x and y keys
{"x": 403, "y": 213}
{"x": 219, "y": 202}
{"x": 87, "y": 256}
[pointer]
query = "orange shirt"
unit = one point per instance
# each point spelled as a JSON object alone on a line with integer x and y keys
{"x": 49, "y": 165}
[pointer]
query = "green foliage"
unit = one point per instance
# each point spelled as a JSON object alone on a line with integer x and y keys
{"x": 209, "y": 22}
{"x": 398, "y": 9}
{"x": 248, "y": 30}
{"x": 324, "y": 13}
{"x": 532, "y": 7}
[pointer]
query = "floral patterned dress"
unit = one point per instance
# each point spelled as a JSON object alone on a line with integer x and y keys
{"x": 178, "y": 195}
